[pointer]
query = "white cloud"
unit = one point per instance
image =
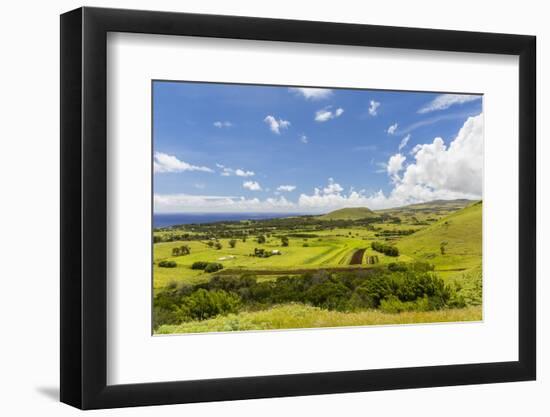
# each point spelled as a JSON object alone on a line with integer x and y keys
{"x": 395, "y": 164}
{"x": 220, "y": 124}
{"x": 276, "y": 125}
{"x": 444, "y": 101}
{"x": 287, "y": 188}
{"x": 227, "y": 172}
{"x": 437, "y": 172}
{"x": 304, "y": 139}
{"x": 326, "y": 114}
{"x": 252, "y": 186}
{"x": 163, "y": 162}
{"x": 332, "y": 187}
{"x": 391, "y": 130}
{"x": 404, "y": 142}
{"x": 446, "y": 172}
{"x": 181, "y": 203}
{"x": 312, "y": 93}
{"x": 373, "y": 107}
{"x": 241, "y": 173}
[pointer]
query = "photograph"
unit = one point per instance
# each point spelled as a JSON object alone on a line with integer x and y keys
{"x": 282, "y": 207}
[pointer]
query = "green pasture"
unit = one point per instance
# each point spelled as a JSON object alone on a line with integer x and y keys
{"x": 331, "y": 249}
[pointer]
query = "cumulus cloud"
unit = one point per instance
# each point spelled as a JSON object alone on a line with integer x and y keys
{"x": 446, "y": 172}
{"x": 391, "y": 130}
{"x": 326, "y": 114}
{"x": 286, "y": 188}
{"x": 252, "y": 185}
{"x": 220, "y": 124}
{"x": 444, "y": 101}
{"x": 312, "y": 93}
{"x": 395, "y": 164}
{"x": 227, "y": 172}
{"x": 276, "y": 125}
{"x": 373, "y": 107}
{"x": 163, "y": 162}
{"x": 404, "y": 142}
{"x": 436, "y": 171}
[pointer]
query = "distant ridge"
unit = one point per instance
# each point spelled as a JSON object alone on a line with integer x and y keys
{"x": 353, "y": 213}
{"x": 456, "y": 204}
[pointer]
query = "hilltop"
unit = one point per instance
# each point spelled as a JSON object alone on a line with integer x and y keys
{"x": 353, "y": 213}
{"x": 431, "y": 206}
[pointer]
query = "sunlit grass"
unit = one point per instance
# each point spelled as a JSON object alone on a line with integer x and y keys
{"x": 299, "y": 316}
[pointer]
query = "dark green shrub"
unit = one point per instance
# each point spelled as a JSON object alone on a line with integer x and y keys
{"x": 373, "y": 290}
{"x": 213, "y": 267}
{"x": 384, "y": 248}
{"x": 203, "y": 304}
{"x": 167, "y": 264}
{"x": 199, "y": 265}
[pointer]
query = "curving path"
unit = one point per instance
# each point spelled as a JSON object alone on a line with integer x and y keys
{"x": 357, "y": 258}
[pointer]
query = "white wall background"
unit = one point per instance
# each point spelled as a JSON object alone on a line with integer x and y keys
{"x": 29, "y": 220}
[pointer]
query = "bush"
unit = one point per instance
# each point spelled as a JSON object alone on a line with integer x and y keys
{"x": 213, "y": 267}
{"x": 284, "y": 241}
{"x": 384, "y": 248}
{"x": 400, "y": 287}
{"x": 199, "y": 265}
{"x": 167, "y": 264}
{"x": 232, "y": 243}
{"x": 203, "y": 304}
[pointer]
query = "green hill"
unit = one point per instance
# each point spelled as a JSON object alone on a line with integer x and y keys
{"x": 447, "y": 206}
{"x": 460, "y": 234}
{"x": 354, "y": 213}
{"x": 440, "y": 204}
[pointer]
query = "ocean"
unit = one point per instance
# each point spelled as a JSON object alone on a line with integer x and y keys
{"x": 171, "y": 219}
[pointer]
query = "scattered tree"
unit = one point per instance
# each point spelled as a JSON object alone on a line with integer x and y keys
{"x": 232, "y": 243}
{"x": 181, "y": 251}
{"x": 443, "y": 246}
{"x": 284, "y": 241}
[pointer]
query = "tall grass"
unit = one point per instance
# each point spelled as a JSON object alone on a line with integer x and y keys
{"x": 299, "y": 316}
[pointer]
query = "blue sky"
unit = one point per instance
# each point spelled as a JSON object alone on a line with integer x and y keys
{"x": 223, "y": 147}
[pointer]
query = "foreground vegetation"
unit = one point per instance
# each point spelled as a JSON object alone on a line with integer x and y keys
{"x": 299, "y": 316}
{"x": 415, "y": 264}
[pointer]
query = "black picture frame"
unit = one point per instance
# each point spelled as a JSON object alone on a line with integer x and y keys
{"x": 84, "y": 207}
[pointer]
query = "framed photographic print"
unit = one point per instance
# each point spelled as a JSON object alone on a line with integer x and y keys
{"x": 257, "y": 208}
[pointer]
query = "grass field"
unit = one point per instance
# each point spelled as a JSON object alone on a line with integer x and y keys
{"x": 331, "y": 249}
{"x": 296, "y": 316}
{"x": 444, "y": 234}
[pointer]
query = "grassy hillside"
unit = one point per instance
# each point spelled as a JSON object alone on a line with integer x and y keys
{"x": 452, "y": 244}
{"x": 298, "y": 316}
{"x": 354, "y": 213}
